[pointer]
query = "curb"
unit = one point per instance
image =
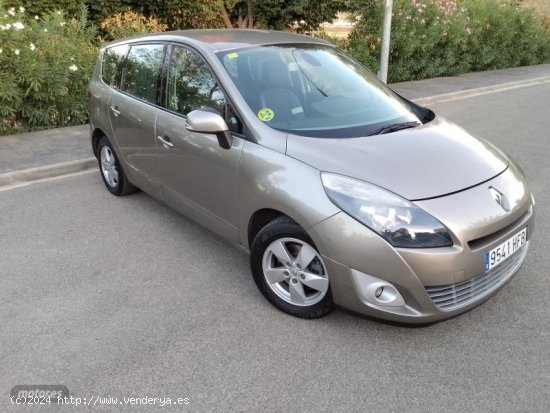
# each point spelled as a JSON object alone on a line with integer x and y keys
{"x": 48, "y": 171}
{"x": 468, "y": 93}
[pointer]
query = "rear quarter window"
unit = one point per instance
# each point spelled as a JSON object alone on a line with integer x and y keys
{"x": 111, "y": 68}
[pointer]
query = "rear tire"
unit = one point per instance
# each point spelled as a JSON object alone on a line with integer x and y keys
{"x": 289, "y": 271}
{"x": 113, "y": 175}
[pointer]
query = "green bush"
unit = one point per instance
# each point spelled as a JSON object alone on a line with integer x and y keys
{"x": 506, "y": 35}
{"x": 45, "y": 67}
{"x": 447, "y": 37}
{"x": 121, "y": 25}
{"x": 176, "y": 14}
{"x": 40, "y": 7}
{"x": 99, "y": 10}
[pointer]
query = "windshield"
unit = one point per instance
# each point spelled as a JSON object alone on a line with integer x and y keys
{"x": 314, "y": 90}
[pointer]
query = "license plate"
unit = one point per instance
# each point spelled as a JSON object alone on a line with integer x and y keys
{"x": 501, "y": 253}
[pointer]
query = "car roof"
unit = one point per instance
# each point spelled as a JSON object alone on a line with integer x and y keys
{"x": 215, "y": 40}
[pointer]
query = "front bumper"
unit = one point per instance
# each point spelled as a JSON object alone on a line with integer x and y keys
{"x": 422, "y": 276}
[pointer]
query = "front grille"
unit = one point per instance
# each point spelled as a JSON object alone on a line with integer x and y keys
{"x": 479, "y": 243}
{"x": 452, "y": 296}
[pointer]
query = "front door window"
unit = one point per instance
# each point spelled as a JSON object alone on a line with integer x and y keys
{"x": 191, "y": 85}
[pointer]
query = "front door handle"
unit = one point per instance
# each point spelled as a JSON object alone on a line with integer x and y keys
{"x": 115, "y": 110}
{"x": 165, "y": 141}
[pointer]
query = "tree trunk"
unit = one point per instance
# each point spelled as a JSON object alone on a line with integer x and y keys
{"x": 250, "y": 14}
{"x": 225, "y": 16}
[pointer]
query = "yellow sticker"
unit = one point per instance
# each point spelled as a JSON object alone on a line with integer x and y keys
{"x": 232, "y": 55}
{"x": 266, "y": 114}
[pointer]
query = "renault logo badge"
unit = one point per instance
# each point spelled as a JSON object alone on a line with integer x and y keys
{"x": 500, "y": 198}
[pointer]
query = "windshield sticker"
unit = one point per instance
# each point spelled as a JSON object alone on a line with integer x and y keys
{"x": 232, "y": 55}
{"x": 266, "y": 114}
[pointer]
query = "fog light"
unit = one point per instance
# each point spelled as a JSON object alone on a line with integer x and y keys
{"x": 376, "y": 291}
{"x": 386, "y": 294}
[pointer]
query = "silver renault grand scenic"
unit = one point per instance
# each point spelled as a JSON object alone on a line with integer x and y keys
{"x": 343, "y": 192}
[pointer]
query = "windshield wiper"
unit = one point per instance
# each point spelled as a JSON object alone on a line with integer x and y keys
{"x": 395, "y": 127}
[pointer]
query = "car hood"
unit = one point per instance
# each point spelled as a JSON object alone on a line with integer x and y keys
{"x": 431, "y": 160}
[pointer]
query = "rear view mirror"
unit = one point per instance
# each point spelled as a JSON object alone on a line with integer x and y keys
{"x": 204, "y": 121}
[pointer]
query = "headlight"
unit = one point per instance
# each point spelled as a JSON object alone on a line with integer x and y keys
{"x": 399, "y": 221}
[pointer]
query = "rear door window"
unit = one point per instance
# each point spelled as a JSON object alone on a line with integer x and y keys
{"x": 142, "y": 70}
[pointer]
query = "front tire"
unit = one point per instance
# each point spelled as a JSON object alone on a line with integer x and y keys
{"x": 289, "y": 271}
{"x": 113, "y": 175}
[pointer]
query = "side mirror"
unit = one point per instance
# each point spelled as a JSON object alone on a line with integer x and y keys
{"x": 204, "y": 121}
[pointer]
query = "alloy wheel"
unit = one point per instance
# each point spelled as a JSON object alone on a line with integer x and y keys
{"x": 109, "y": 166}
{"x": 295, "y": 272}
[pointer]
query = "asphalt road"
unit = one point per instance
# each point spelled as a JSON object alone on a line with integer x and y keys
{"x": 121, "y": 297}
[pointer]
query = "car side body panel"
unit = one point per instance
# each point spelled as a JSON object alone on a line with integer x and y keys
{"x": 99, "y": 95}
{"x": 272, "y": 180}
{"x": 197, "y": 174}
{"x": 134, "y": 134}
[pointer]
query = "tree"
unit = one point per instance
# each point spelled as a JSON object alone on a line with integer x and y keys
{"x": 302, "y": 15}
{"x": 233, "y": 10}
{"x": 99, "y": 10}
{"x": 299, "y": 15}
{"x": 184, "y": 14}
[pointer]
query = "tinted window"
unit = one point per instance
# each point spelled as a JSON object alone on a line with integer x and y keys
{"x": 313, "y": 90}
{"x": 112, "y": 64}
{"x": 142, "y": 71}
{"x": 191, "y": 85}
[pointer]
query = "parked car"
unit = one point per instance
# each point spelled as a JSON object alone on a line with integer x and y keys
{"x": 343, "y": 192}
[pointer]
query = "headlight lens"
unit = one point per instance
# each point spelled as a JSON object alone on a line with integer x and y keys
{"x": 399, "y": 221}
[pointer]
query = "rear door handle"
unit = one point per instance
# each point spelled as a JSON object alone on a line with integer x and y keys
{"x": 165, "y": 141}
{"x": 115, "y": 110}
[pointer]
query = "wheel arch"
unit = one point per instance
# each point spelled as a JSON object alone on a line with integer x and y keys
{"x": 260, "y": 219}
{"x": 97, "y": 134}
{"x": 282, "y": 279}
